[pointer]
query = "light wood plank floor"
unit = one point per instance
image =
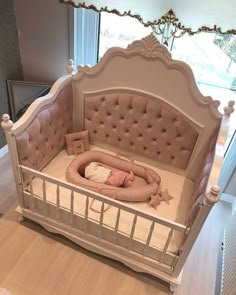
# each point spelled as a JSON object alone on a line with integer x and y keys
{"x": 35, "y": 262}
{"x": 7, "y": 185}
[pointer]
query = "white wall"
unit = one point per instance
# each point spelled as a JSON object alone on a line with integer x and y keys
{"x": 230, "y": 167}
{"x": 227, "y": 180}
{"x": 44, "y": 38}
{"x": 231, "y": 186}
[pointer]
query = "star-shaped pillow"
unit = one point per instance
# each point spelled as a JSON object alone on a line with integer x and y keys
{"x": 159, "y": 197}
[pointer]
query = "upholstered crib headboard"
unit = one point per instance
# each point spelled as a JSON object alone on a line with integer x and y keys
{"x": 140, "y": 125}
{"x": 143, "y": 84}
{"x": 44, "y": 136}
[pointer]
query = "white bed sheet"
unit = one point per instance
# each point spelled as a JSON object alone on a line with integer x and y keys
{"x": 175, "y": 211}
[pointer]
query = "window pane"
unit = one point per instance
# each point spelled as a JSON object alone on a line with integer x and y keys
{"x": 119, "y": 31}
{"x": 212, "y": 58}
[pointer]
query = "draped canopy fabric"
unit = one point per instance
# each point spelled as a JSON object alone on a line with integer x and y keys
{"x": 214, "y": 15}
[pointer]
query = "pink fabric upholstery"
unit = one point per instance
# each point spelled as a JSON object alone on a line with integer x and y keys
{"x": 201, "y": 182}
{"x": 45, "y": 135}
{"x": 140, "y": 125}
{"x": 134, "y": 193}
{"x": 203, "y": 176}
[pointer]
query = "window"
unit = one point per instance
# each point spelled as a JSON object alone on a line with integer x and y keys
{"x": 212, "y": 58}
{"x": 119, "y": 31}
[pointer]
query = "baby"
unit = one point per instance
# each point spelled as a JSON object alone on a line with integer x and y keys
{"x": 98, "y": 173}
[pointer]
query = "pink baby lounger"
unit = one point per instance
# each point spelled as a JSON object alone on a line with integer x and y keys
{"x": 146, "y": 181}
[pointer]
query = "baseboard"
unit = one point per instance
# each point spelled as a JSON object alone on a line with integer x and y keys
{"x": 3, "y": 151}
{"x": 230, "y": 199}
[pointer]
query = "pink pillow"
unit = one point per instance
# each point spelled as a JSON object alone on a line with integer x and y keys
{"x": 71, "y": 137}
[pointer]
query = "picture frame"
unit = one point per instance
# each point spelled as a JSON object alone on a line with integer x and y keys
{"x": 22, "y": 93}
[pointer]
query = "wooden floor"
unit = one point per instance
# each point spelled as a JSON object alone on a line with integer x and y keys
{"x": 7, "y": 186}
{"x": 35, "y": 262}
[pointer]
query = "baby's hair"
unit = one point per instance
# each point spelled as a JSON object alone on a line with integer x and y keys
{"x": 81, "y": 169}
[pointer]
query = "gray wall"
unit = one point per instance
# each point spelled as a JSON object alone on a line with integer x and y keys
{"x": 10, "y": 61}
{"x": 41, "y": 52}
{"x": 44, "y": 38}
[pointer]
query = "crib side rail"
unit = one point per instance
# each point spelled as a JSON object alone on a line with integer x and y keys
{"x": 164, "y": 258}
{"x": 101, "y": 198}
{"x": 215, "y": 175}
{"x": 40, "y": 104}
{"x": 208, "y": 194}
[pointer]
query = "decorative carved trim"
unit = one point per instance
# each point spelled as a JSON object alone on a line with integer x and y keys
{"x": 168, "y": 18}
{"x": 149, "y": 46}
{"x": 171, "y": 19}
{"x": 6, "y": 122}
{"x": 70, "y": 66}
{"x": 213, "y": 196}
{"x": 229, "y": 109}
{"x": 105, "y": 9}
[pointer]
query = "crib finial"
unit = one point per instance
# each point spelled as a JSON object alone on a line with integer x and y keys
{"x": 229, "y": 109}
{"x": 6, "y": 122}
{"x": 70, "y": 66}
{"x": 213, "y": 196}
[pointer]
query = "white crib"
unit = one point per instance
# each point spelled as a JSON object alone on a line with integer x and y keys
{"x": 36, "y": 142}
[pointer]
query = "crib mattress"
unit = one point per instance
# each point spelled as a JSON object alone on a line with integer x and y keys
{"x": 175, "y": 211}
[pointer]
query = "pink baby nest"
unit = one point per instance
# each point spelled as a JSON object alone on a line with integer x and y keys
{"x": 146, "y": 182}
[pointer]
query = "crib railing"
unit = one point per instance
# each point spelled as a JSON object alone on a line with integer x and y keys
{"x": 113, "y": 237}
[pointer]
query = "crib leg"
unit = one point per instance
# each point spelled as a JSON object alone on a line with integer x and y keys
{"x": 173, "y": 287}
{"x": 21, "y": 218}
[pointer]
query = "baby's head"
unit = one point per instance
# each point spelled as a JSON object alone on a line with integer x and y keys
{"x": 81, "y": 169}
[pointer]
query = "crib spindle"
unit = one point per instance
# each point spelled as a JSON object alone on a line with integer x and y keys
{"x": 44, "y": 198}
{"x": 101, "y": 221}
{"x": 166, "y": 245}
{"x": 32, "y": 201}
{"x": 86, "y": 214}
{"x": 72, "y": 208}
{"x": 132, "y": 232}
{"x": 149, "y": 238}
{"x": 116, "y": 226}
{"x": 58, "y": 202}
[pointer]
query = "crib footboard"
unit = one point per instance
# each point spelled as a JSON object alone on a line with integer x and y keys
{"x": 74, "y": 222}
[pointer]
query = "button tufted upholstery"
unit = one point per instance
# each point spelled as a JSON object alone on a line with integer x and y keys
{"x": 140, "y": 125}
{"x": 45, "y": 135}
